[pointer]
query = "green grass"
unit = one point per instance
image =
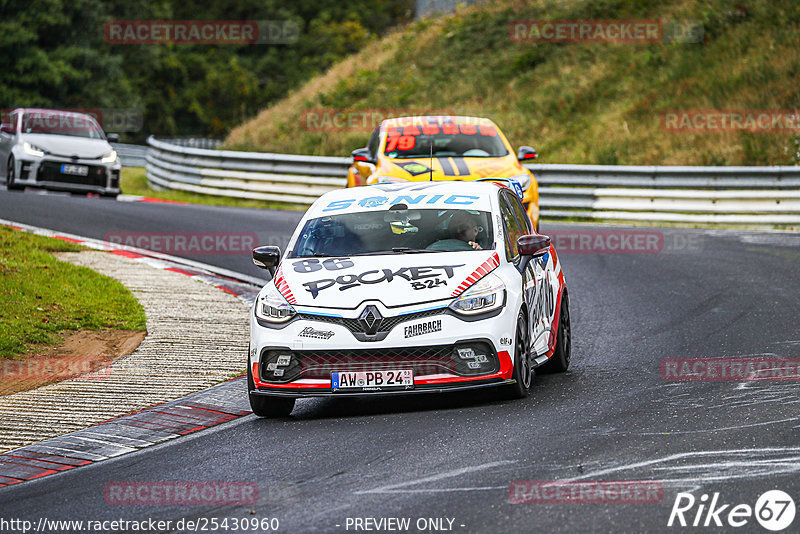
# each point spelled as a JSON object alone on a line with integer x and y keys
{"x": 134, "y": 182}
{"x": 42, "y": 297}
{"x": 575, "y": 102}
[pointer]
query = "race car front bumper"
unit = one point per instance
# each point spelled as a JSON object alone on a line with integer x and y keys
{"x": 430, "y": 389}
{"x": 437, "y": 369}
{"x": 47, "y": 172}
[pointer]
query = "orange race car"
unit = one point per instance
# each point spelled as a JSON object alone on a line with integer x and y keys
{"x": 443, "y": 148}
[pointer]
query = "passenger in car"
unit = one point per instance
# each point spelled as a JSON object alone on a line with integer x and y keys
{"x": 463, "y": 230}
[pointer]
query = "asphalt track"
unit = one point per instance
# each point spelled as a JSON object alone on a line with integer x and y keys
{"x": 612, "y": 417}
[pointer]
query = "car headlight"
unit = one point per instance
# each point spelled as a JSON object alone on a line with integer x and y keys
{"x": 111, "y": 157}
{"x": 487, "y": 294}
{"x": 33, "y": 150}
{"x": 273, "y": 308}
{"x": 524, "y": 180}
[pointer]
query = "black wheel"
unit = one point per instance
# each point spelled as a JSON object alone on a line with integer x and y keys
{"x": 523, "y": 371}
{"x": 11, "y": 175}
{"x": 559, "y": 362}
{"x": 264, "y": 406}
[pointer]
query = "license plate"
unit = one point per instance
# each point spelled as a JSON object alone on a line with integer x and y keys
{"x": 372, "y": 379}
{"x": 77, "y": 170}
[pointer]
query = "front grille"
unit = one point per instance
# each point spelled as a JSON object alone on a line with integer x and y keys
{"x": 355, "y": 326}
{"x": 319, "y": 364}
{"x": 50, "y": 171}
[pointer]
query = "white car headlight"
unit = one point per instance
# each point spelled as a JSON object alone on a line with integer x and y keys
{"x": 487, "y": 294}
{"x": 273, "y": 308}
{"x": 111, "y": 157}
{"x": 524, "y": 180}
{"x": 33, "y": 150}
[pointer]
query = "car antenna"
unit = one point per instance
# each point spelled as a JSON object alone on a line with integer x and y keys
{"x": 431, "y": 178}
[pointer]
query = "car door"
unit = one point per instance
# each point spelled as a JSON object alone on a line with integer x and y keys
{"x": 7, "y": 142}
{"x": 367, "y": 168}
{"x": 538, "y": 281}
{"x": 513, "y": 228}
{"x": 542, "y": 307}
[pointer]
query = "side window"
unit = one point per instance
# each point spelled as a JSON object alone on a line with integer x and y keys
{"x": 511, "y": 227}
{"x": 522, "y": 218}
{"x": 373, "y": 142}
{"x": 13, "y": 121}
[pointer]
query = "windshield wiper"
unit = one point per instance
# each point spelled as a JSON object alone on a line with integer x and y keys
{"x": 395, "y": 250}
{"x": 409, "y": 250}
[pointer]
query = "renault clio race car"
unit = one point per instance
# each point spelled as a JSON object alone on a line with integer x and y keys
{"x": 407, "y": 288}
{"x": 443, "y": 148}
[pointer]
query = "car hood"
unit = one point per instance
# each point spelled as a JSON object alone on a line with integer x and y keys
{"x": 395, "y": 279}
{"x": 453, "y": 168}
{"x": 68, "y": 145}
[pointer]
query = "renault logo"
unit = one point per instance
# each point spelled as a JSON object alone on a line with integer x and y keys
{"x": 370, "y": 320}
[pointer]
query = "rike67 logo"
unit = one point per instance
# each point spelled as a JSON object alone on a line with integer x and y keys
{"x": 774, "y": 510}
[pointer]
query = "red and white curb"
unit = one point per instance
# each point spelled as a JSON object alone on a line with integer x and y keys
{"x": 197, "y": 411}
{"x": 151, "y": 200}
{"x": 170, "y": 420}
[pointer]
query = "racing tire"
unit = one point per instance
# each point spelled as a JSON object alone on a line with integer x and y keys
{"x": 11, "y": 183}
{"x": 559, "y": 362}
{"x": 264, "y": 406}
{"x": 523, "y": 370}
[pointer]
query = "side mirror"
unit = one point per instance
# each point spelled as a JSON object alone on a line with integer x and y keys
{"x": 529, "y": 247}
{"x": 363, "y": 155}
{"x": 533, "y": 245}
{"x": 113, "y": 138}
{"x": 267, "y": 257}
{"x": 7, "y": 128}
{"x": 526, "y": 153}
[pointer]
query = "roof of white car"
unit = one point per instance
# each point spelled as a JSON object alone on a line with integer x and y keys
{"x": 52, "y": 111}
{"x": 440, "y": 194}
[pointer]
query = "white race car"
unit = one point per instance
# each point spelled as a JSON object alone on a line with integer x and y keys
{"x": 407, "y": 288}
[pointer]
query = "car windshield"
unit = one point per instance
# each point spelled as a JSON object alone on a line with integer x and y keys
{"x": 447, "y": 139}
{"x": 395, "y": 231}
{"x": 74, "y": 124}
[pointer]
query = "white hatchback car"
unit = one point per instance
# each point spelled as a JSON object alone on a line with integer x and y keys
{"x": 407, "y": 288}
{"x": 59, "y": 150}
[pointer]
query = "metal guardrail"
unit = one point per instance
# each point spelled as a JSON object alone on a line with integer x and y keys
{"x": 194, "y": 142}
{"x": 254, "y": 175}
{"x": 735, "y": 195}
{"x": 131, "y": 155}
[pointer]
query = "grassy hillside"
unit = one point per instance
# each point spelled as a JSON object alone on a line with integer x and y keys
{"x": 575, "y": 102}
